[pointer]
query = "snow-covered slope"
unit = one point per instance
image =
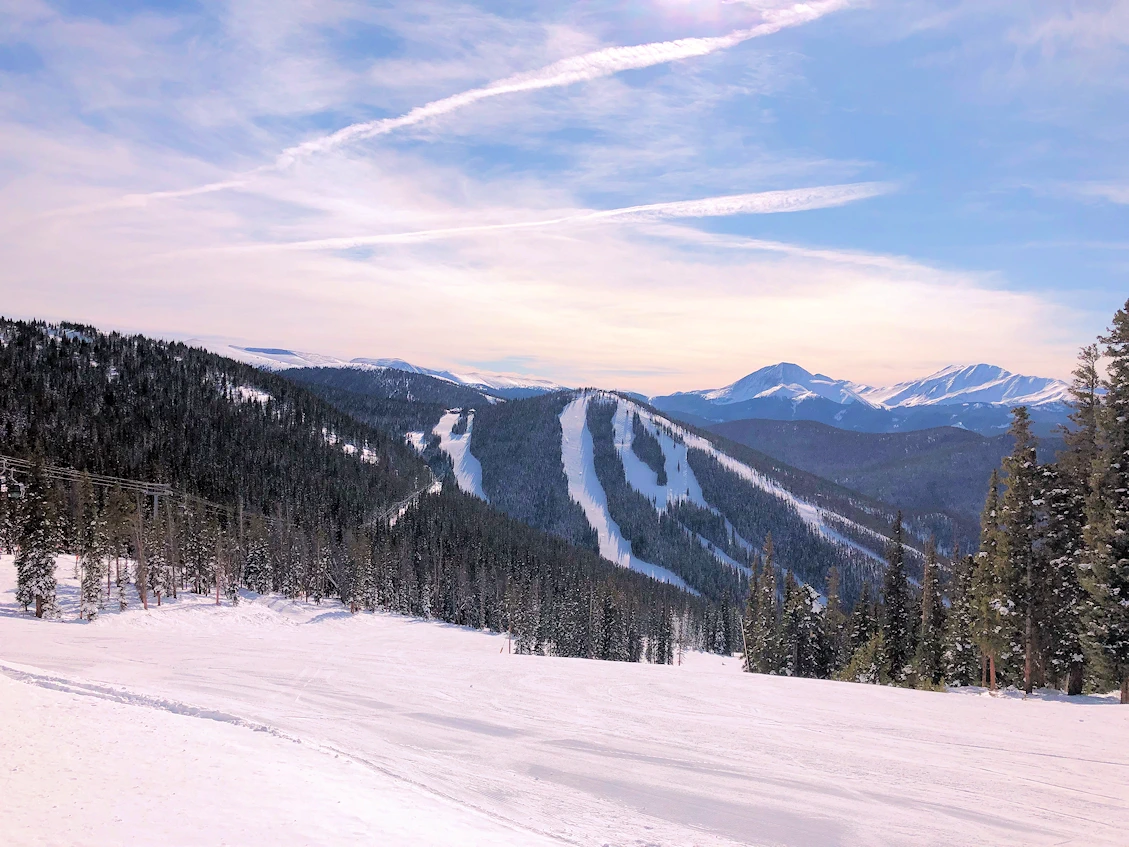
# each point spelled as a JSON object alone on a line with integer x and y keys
{"x": 975, "y": 397}
{"x": 309, "y": 726}
{"x": 584, "y": 488}
{"x": 971, "y": 384}
{"x": 468, "y": 471}
{"x": 952, "y": 385}
{"x": 785, "y": 380}
{"x": 276, "y": 358}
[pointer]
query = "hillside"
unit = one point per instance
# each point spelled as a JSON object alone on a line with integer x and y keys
{"x": 134, "y": 407}
{"x": 306, "y": 725}
{"x": 299, "y": 497}
{"x": 944, "y": 469}
{"x": 683, "y": 505}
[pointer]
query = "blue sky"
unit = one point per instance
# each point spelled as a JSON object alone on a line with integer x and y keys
{"x": 921, "y": 183}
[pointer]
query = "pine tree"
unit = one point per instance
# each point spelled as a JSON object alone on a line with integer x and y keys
{"x": 929, "y": 658}
{"x": 764, "y": 641}
{"x": 992, "y": 605}
{"x": 1059, "y": 597}
{"x": 1065, "y": 490}
{"x": 1020, "y": 534}
{"x": 835, "y": 640}
{"x": 801, "y": 630}
{"x": 35, "y": 562}
{"x": 895, "y": 606}
{"x": 863, "y": 622}
{"x": 1106, "y": 566}
{"x": 93, "y": 546}
{"x": 748, "y": 623}
{"x": 962, "y": 657}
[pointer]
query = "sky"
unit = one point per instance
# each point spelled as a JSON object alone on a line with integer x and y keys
{"x": 655, "y": 195}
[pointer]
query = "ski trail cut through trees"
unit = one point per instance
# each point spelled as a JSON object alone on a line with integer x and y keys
{"x": 578, "y": 458}
{"x": 468, "y": 470}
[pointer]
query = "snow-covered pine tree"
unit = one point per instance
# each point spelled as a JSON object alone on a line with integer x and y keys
{"x": 1020, "y": 518}
{"x": 1066, "y": 487}
{"x": 764, "y": 645}
{"x": 862, "y": 622}
{"x": 895, "y": 610}
{"x": 1106, "y": 566}
{"x": 749, "y": 620}
{"x": 1059, "y": 598}
{"x": 835, "y": 642}
{"x": 961, "y": 655}
{"x": 992, "y": 603}
{"x": 35, "y": 561}
{"x": 92, "y": 550}
{"x": 801, "y": 630}
{"x": 928, "y": 662}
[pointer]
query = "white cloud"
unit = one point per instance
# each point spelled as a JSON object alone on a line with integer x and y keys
{"x": 760, "y": 203}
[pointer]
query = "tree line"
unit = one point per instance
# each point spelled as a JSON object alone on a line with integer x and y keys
{"x": 1044, "y": 601}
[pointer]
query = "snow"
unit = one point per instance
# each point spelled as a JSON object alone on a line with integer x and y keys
{"x": 681, "y": 484}
{"x": 279, "y": 358}
{"x": 972, "y": 384}
{"x": 282, "y": 723}
{"x": 250, "y": 394}
{"x": 468, "y": 470}
{"x": 812, "y": 515}
{"x": 789, "y": 381}
{"x": 578, "y": 458}
{"x": 416, "y": 440}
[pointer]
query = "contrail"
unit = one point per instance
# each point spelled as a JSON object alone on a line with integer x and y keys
{"x": 583, "y": 68}
{"x": 761, "y": 203}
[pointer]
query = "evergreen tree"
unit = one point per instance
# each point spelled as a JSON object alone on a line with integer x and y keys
{"x": 93, "y": 548}
{"x": 35, "y": 561}
{"x": 1106, "y": 569}
{"x": 1020, "y": 534}
{"x": 748, "y": 623}
{"x": 992, "y": 606}
{"x": 801, "y": 631}
{"x": 764, "y": 634}
{"x": 962, "y": 656}
{"x": 863, "y": 622}
{"x": 836, "y": 641}
{"x": 1059, "y": 598}
{"x": 895, "y": 617}
{"x": 929, "y": 663}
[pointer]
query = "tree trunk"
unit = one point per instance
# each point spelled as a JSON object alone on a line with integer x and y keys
{"x": 992, "y": 672}
{"x": 39, "y": 614}
{"x": 1125, "y": 689}
{"x": 983, "y": 671}
{"x": 1074, "y": 683}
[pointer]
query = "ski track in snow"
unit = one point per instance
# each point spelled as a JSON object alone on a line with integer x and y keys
{"x": 468, "y": 470}
{"x": 578, "y": 458}
{"x": 139, "y": 728}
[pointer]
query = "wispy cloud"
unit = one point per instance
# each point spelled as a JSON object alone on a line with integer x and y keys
{"x": 760, "y": 203}
{"x": 583, "y": 68}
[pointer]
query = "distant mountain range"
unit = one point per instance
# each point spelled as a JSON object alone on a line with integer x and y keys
{"x": 978, "y": 398}
{"x": 498, "y": 385}
{"x": 973, "y": 397}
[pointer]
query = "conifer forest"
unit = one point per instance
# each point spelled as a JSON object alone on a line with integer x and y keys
{"x": 164, "y": 469}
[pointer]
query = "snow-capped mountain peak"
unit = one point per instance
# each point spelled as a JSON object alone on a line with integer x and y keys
{"x": 785, "y": 380}
{"x": 971, "y": 384}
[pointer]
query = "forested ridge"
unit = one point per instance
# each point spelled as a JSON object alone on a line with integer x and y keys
{"x": 272, "y": 489}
